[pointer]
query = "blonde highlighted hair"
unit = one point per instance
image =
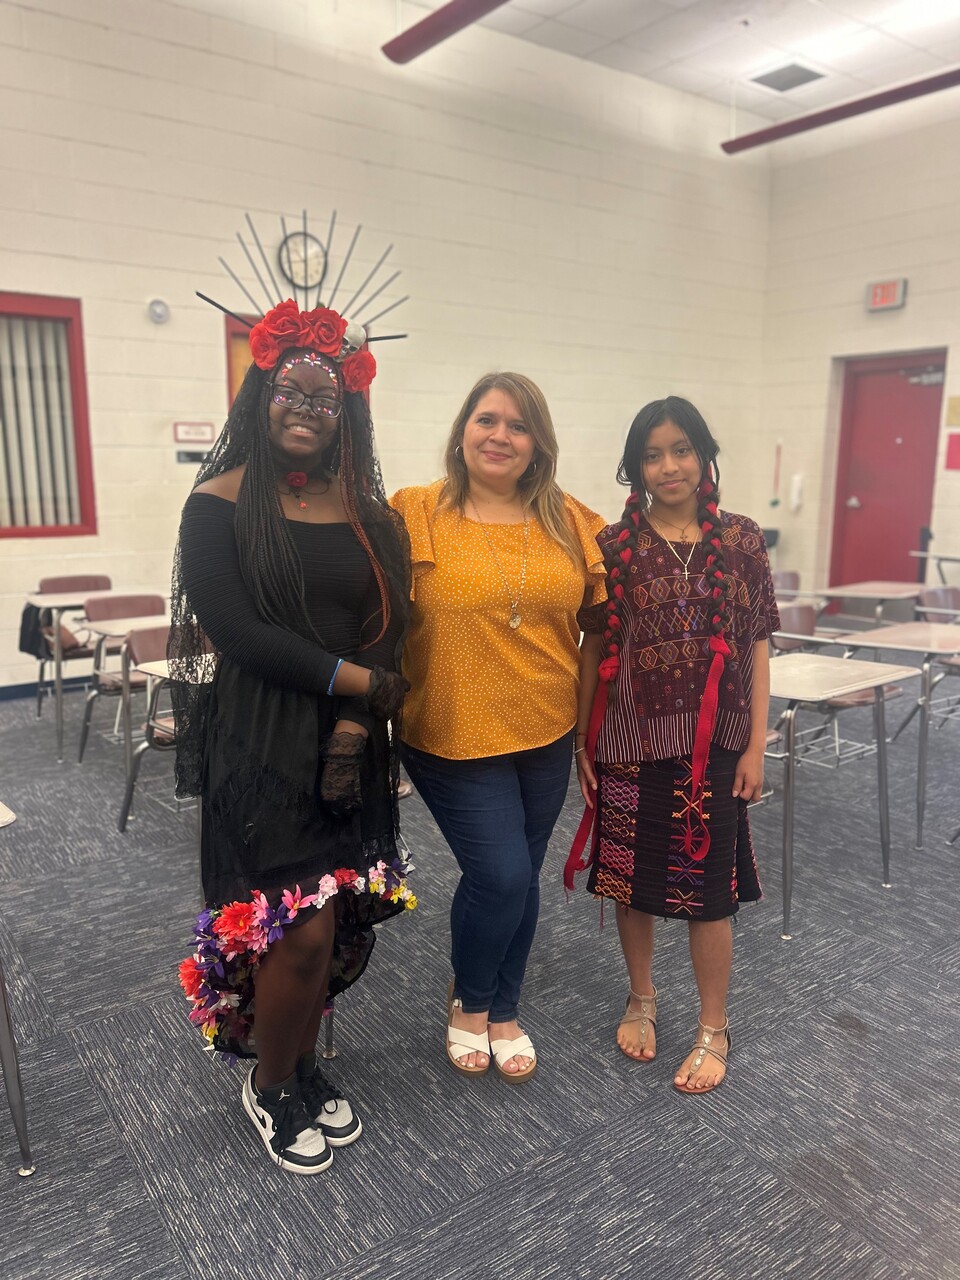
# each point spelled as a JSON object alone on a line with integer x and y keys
{"x": 538, "y": 488}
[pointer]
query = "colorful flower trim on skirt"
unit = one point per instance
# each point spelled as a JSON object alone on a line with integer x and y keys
{"x": 231, "y": 941}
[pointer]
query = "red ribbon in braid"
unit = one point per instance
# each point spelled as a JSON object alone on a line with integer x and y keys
{"x": 609, "y": 670}
{"x": 707, "y": 718}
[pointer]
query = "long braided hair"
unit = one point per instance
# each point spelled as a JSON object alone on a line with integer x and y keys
{"x": 269, "y": 562}
{"x": 630, "y": 472}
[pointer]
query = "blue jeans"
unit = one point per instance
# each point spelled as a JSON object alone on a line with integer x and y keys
{"x": 497, "y": 815}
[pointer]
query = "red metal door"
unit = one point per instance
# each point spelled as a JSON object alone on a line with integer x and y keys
{"x": 888, "y": 450}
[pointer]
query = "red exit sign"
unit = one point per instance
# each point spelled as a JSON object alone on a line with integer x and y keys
{"x": 886, "y": 295}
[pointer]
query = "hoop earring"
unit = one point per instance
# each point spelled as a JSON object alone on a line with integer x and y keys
{"x": 459, "y": 450}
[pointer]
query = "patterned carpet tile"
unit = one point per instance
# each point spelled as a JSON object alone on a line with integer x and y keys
{"x": 870, "y": 1095}
{"x": 831, "y": 1151}
{"x": 431, "y": 1139}
{"x": 85, "y": 1214}
{"x": 634, "y": 1200}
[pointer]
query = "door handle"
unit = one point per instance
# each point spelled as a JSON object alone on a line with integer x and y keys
{"x": 854, "y": 503}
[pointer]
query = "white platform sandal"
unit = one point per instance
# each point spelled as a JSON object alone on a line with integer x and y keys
{"x": 460, "y": 1042}
{"x": 504, "y": 1050}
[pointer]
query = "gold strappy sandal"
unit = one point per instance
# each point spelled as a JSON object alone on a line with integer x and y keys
{"x": 704, "y": 1044}
{"x": 647, "y": 1017}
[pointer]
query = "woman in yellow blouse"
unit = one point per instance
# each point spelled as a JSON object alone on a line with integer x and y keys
{"x": 503, "y": 561}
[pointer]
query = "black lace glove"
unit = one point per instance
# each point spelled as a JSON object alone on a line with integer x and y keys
{"x": 385, "y": 694}
{"x": 340, "y": 779}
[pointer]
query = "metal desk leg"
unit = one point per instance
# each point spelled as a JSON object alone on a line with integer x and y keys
{"x": 126, "y": 711}
{"x": 926, "y": 694}
{"x": 14, "y": 1085}
{"x": 56, "y": 615}
{"x": 789, "y": 730}
{"x": 883, "y": 798}
{"x": 328, "y": 1050}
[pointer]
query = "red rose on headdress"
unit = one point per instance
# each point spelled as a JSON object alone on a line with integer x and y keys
{"x": 359, "y": 370}
{"x": 278, "y": 331}
{"x": 263, "y": 346}
{"x": 285, "y": 323}
{"x": 322, "y": 330}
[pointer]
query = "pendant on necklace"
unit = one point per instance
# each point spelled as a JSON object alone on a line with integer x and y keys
{"x": 514, "y": 619}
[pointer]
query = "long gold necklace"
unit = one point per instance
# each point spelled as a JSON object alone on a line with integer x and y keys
{"x": 693, "y": 547}
{"x": 515, "y": 618}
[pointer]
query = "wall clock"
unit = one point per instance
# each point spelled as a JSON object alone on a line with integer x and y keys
{"x": 302, "y": 260}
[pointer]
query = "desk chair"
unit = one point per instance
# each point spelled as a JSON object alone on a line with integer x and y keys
{"x": 786, "y": 583}
{"x": 8, "y": 1055}
{"x": 942, "y": 604}
{"x": 799, "y": 634}
{"x": 160, "y": 734}
{"x": 73, "y": 646}
{"x": 108, "y": 682}
{"x": 938, "y": 604}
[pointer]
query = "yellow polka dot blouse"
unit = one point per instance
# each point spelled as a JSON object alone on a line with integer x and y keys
{"x": 478, "y": 687}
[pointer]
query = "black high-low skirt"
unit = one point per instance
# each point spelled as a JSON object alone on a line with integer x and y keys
{"x": 271, "y": 853}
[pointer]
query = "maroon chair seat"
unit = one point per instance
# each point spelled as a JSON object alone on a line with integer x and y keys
{"x": 147, "y": 644}
{"x": 108, "y": 682}
{"x": 74, "y": 647}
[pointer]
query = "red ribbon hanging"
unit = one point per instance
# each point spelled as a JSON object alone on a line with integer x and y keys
{"x": 575, "y": 859}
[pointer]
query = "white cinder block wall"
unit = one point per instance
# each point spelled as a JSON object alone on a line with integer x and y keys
{"x": 560, "y": 219}
{"x": 576, "y": 224}
{"x": 870, "y": 200}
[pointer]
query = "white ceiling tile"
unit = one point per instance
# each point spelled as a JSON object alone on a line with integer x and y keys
{"x": 622, "y": 56}
{"x": 824, "y": 93}
{"x": 616, "y": 18}
{"x": 949, "y": 50}
{"x": 862, "y": 10}
{"x": 545, "y": 8}
{"x": 682, "y": 34}
{"x": 510, "y": 21}
{"x": 913, "y": 65}
{"x": 769, "y": 107}
{"x": 704, "y": 46}
{"x": 801, "y": 22}
{"x": 739, "y": 58}
{"x": 681, "y": 75}
{"x": 556, "y": 35}
{"x": 845, "y": 50}
{"x": 919, "y": 24}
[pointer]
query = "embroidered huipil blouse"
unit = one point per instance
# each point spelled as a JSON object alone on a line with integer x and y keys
{"x": 665, "y": 653}
{"x": 478, "y": 687}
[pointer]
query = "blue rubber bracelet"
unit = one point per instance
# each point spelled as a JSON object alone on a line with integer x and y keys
{"x": 334, "y": 676}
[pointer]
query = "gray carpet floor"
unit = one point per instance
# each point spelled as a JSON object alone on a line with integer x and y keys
{"x": 831, "y": 1152}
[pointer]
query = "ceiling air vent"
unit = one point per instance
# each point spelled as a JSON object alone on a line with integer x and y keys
{"x": 789, "y": 77}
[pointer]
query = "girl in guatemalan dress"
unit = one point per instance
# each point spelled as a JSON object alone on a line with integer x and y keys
{"x": 669, "y": 761}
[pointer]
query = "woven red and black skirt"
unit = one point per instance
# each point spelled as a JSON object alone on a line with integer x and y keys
{"x": 642, "y": 823}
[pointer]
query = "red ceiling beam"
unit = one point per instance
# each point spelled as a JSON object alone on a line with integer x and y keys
{"x": 436, "y": 27}
{"x": 859, "y": 107}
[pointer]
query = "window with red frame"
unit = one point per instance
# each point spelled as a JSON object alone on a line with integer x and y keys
{"x": 46, "y": 475}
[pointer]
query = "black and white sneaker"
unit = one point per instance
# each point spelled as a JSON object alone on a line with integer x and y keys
{"x": 295, "y": 1142}
{"x": 326, "y": 1104}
